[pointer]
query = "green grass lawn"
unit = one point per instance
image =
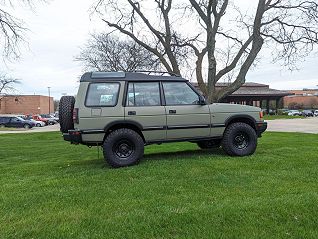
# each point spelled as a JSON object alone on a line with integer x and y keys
{"x": 51, "y": 189}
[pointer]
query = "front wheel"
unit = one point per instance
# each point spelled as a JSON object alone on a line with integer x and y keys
{"x": 123, "y": 147}
{"x": 239, "y": 139}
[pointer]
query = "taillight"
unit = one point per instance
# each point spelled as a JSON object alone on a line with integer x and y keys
{"x": 75, "y": 115}
{"x": 261, "y": 114}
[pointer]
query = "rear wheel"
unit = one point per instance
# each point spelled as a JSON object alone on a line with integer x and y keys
{"x": 66, "y": 107}
{"x": 38, "y": 125}
{"x": 123, "y": 147}
{"x": 239, "y": 139}
{"x": 209, "y": 144}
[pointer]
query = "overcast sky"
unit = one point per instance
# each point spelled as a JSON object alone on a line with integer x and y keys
{"x": 60, "y": 28}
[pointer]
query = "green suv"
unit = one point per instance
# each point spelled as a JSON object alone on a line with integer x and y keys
{"x": 124, "y": 111}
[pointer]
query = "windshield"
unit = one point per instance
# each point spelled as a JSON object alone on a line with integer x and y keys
{"x": 19, "y": 118}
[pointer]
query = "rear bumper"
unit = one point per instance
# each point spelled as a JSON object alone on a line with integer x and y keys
{"x": 260, "y": 128}
{"x": 73, "y": 136}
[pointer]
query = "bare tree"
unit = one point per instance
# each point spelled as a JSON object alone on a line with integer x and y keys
{"x": 104, "y": 52}
{"x": 12, "y": 28}
{"x": 218, "y": 34}
{"x": 7, "y": 84}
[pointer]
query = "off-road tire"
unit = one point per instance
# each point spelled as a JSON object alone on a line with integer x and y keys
{"x": 239, "y": 139}
{"x": 209, "y": 144}
{"x": 66, "y": 107}
{"x": 123, "y": 147}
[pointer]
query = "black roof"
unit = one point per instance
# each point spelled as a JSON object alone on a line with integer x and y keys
{"x": 127, "y": 76}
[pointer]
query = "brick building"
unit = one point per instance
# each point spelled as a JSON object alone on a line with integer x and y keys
{"x": 306, "y": 98}
{"x": 26, "y": 104}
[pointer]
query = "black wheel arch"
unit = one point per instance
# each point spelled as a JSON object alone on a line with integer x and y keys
{"x": 128, "y": 124}
{"x": 241, "y": 118}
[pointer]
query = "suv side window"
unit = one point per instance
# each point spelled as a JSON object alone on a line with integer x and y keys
{"x": 179, "y": 93}
{"x": 143, "y": 94}
{"x": 102, "y": 94}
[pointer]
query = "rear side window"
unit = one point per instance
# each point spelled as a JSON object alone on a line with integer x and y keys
{"x": 143, "y": 94}
{"x": 102, "y": 94}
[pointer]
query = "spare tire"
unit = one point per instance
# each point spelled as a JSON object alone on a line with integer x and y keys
{"x": 66, "y": 107}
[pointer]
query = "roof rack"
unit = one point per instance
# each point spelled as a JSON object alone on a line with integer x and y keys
{"x": 162, "y": 73}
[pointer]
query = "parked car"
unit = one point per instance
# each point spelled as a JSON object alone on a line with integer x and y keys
{"x": 39, "y": 118}
{"x": 270, "y": 112}
{"x": 47, "y": 121}
{"x": 15, "y": 122}
{"x": 51, "y": 119}
{"x": 285, "y": 111}
{"x": 316, "y": 113}
{"x": 56, "y": 118}
{"x": 38, "y": 123}
{"x": 295, "y": 113}
{"x": 308, "y": 113}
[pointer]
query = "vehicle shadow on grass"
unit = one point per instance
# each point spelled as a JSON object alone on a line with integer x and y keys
{"x": 184, "y": 154}
{"x": 96, "y": 162}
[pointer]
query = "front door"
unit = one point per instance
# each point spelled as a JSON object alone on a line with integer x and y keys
{"x": 144, "y": 106}
{"x": 186, "y": 118}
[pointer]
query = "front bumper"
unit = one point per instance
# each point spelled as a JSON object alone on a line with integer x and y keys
{"x": 74, "y": 136}
{"x": 260, "y": 128}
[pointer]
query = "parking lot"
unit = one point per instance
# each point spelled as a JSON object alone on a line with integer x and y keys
{"x": 307, "y": 125}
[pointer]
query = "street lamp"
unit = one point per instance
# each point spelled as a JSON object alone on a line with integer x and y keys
{"x": 49, "y": 88}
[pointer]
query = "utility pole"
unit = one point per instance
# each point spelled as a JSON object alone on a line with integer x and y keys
{"x": 49, "y": 88}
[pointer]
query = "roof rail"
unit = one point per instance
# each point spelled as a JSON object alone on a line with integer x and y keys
{"x": 162, "y": 73}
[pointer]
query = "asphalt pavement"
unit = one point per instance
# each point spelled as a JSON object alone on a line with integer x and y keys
{"x": 307, "y": 125}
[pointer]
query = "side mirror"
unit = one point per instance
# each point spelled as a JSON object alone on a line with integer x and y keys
{"x": 202, "y": 100}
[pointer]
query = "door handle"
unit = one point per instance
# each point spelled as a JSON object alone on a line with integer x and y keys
{"x": 172, "y": 111}
{"x": 131, "y": 112}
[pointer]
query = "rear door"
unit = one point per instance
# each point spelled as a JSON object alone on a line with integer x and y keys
{"x": 15, "y": 122}
{"x": 186, "y": 118}
{"x": 144, "y": 106}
